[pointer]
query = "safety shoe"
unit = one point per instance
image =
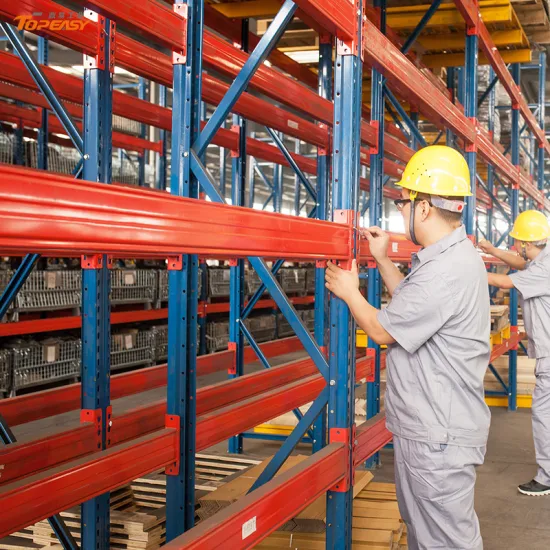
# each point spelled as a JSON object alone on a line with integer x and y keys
{"x": 534, "y": 489}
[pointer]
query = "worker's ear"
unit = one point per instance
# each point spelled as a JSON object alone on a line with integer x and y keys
{"x": 424, "y": 210}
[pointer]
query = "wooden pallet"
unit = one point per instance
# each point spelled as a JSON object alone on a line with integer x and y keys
{"x": 376, "y": 525}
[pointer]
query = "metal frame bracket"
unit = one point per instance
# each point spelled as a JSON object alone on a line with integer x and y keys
{"x": 173, "y": 421}
{"x": 95, "y": 261}
{"x": 347, "y": 436}
{"x": 371, "y": 354}
{"x": 351, "y": 46}
{"x": 376, "y": 149}
{"x": 98, "y": 61}
{"x": 175, "y": 263}
{"x": 179, "y": 57}
{"x": 232, "y": 346}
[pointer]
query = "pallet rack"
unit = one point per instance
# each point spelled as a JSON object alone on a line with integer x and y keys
{"x": 99, "y": 221}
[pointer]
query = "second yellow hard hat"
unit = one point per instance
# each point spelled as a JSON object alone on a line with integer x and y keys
{"x": 531, "y": 226}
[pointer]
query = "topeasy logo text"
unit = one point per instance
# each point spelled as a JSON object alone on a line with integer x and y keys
{"x": 53, "y": 21}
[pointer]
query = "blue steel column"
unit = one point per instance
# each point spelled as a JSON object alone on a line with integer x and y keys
{"x": 449, "y": 137}
{"x": 323, "y": 182}
{"x": 96, "y": 325}
{"x": 345, "y": 183}
{"x": 43, "y": 130}
{"x": 236, "y": 292}
{"x": 161, "y": 172}
{"x": 513, "y": 354}
{"x": 542, "y": 115}
{"x": 297, "y": 187}
{"x": 470, "y": 110}
{"x": 374, "y": 283}
{"x": 490, "y": 169}
{"x": 278, "y": 184}
{"x": 183, "y": 279}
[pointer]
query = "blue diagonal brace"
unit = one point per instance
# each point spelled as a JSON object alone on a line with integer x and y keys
{"x": 44, "y": 86}
{"x": 263, "y": 360}
{"x": 292, "y": 440}
{"x": 486, "y": 93}
{"x": 305, "y": 182}
{"x": 56, "y": 522}
{"x": 498, "y": 377}
{"x": 257, "y": 57}
{"x": 403, "y": 114}
{"x": 495, "y": 200}
{"x": 287, "y": 309}
{"x": 499, "y": 181}
{"x": 16, "y": 282}
{"x": 420, "y": 27}
{"x": 262, "y": 175}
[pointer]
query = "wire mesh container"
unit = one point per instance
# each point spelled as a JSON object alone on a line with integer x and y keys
{"x": 121, "y": 124}
{"x": 283, "y": 327}
{"x": 162, "y": 292}
{"x": 51, "y": 289}
{"x": 5, "y": 372}
{"x": 5, "y": 277}
{"x": 218, "y": 282}
{"x": 133, "y": 286}
{"x": 160, "y": 333}
{"x": 308, "y": 317}
{"x": 262, "y": 327}
{"x": 253, "y": 282}
{"x": 217, "y": 336}
{"x": 6, "y": 147}
{"x": 310, "y": 280}
{"x": 293, "y": 279}
{"x": 62, "y": 159}
{"x": 41, "y": 362}
{"x": 132, "y": 348}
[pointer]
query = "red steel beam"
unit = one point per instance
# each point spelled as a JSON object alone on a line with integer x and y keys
{"x": 371, "y": 436}
{"x": 75, "y": 322}
{"x": 32, "y": 118}
{"x": 338, "y": 17}
{"x": 507, "y": 345}
{"x": 34, "y": 406}
{"x": 261, "y": 304}
{"x": 30, "y": 500}
{"x": 269, "y": 506}
{"x": 264, "y": 395}
{"x": 119, "y": 220}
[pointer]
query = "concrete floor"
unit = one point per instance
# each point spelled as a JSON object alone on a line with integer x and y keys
{"x": 509, "y": 521}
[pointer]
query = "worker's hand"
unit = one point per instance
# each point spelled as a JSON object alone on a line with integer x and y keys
{"x": 343, "y": 284}
{"x": 379, "y": 241}
{"x": 485, "y": 246}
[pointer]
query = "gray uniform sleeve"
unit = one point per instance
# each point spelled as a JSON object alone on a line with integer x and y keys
{"x": 533, "y": 281}
{"x": 423, "y": 305}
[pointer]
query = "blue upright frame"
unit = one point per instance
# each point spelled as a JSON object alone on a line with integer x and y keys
{"x": 96, "y": 322}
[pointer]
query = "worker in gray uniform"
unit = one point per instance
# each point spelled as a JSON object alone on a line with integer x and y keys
{"x": 437, "y": 328}
{"x": 532, "y": 280}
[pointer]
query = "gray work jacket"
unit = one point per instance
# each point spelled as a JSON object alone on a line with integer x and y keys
{"x": 533, "y": 284}
{"x": 440, "y": 319}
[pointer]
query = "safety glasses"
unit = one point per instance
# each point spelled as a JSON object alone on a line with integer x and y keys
{"x": 400, "y": 203}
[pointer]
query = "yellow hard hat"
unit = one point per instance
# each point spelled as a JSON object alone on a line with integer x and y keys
{"x": 437, "y": 170}
{"x": 531, "y": 226}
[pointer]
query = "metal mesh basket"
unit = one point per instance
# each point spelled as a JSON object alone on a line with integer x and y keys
{"x": 50, "y": 290}
{"x": 162, "y": 292}
{"x": 36, "y": 363}
{"x": 160, "y": 333}
{"x": 5, "y": 371}
{"x": 253, "y": 282}
{"x": 308, "y": 317}
{"x": 283, "y": 327}
{"x": 121, "y": 124}
{"x": 132, "y": 348}
{"x": 293, "y": 279}
{"x": 6, "y": 148}
{"x": 262, "y": 327}
{"x": 5, "y": 277}
{"x": 310, "y": 280}
{"x": 133, "y": 286}
{"x": 218, "y": 281}
{"x": 217, "y": 336}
